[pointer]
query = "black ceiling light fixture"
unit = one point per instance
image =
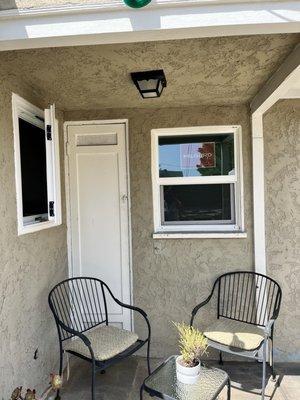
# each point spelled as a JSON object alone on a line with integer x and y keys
{"x": 137, "y": 3}
{"x": 150, "y": 84}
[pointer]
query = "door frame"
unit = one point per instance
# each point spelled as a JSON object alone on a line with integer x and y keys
{"x": 67, "y": 194}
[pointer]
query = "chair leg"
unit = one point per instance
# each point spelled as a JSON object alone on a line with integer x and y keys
{"x": 272, "y": 360}
{"x": 264, "y": 369}
{"x": 148, "y": 356}
{"x": 93, "y": 378}
{"x": 141, "y": 392}
{"x": 220, "y": 358}
{"x": 228, "y": 389}
{"x": 61, "y": 359}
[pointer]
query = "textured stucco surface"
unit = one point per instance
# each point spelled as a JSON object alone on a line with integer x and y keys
{"x": 282, "y": 169}
{"x": 212, "y": 71}
{"x": 30, "y": 265}
{"x": 171, "y": 276}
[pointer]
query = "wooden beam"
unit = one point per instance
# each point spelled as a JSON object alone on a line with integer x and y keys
{"x": 280, "y": 83}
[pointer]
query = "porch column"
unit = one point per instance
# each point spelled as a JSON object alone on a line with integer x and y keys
{"x": 258, "y": 193}
{"x": 284, "y": 84}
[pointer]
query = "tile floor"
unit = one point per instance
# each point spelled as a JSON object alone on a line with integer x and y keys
{"x": 122, "y": 381}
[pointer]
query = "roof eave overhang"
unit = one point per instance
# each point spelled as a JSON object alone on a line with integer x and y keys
{"x": 84, "y": 25}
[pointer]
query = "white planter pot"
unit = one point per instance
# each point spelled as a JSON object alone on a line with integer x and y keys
{"x": 188, "y": 375}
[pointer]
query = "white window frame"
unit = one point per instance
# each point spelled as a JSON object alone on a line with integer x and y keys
{"x": 201, "y": 229}
{"x": 27, "y": 111}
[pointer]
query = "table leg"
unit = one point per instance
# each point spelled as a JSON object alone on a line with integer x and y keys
{"x": 228, "y": 389}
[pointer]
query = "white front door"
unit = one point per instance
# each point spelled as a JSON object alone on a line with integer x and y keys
{"x": 99, "y": 209}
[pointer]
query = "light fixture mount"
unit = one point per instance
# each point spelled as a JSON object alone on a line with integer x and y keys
{"x": 137, "y": 3}
{"x": 150, "y": 84}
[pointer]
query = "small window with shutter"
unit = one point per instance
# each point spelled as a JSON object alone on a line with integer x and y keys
{"x": 36, "y": 166}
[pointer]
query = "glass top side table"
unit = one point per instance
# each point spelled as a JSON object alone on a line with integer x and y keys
{"x": 163, "y": 383}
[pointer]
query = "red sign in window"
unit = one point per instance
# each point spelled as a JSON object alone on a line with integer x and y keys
{"x": 198, "y": 155}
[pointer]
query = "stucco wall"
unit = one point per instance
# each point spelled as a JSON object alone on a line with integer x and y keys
{"x": 282, "y": 172}
{"x": 171, "y": 276}
{"x": 30, "y": 265}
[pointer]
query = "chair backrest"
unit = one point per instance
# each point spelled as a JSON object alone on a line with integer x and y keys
{"x": 78, "y": 303}
{"x": 248, "y": 297}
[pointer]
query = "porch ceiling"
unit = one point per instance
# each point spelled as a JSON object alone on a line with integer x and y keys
{"x": 11, "y": 4}
{"x": 212, "y": 71}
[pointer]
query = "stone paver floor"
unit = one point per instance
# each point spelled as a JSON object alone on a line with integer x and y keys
{"x": 122, "y": 381}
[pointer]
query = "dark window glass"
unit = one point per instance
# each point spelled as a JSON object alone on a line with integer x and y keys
{"x": 33, "y": 169}
{"x": 192, "y": 203}
{"x": 197, "y": 155}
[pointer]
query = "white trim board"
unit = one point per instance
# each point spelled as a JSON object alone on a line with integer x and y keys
{"x": 285, "y": 83}
{"x": 120, "y": 25}
{"x": 200, "y": 235}
{"x": 111, "y": 5}
{"x": 186, "y": 230}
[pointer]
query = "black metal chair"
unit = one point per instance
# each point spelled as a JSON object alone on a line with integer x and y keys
{"x": 248, "y": 304}
{"x": 79, "y": 306}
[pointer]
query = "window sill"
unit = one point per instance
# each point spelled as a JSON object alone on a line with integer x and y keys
{"x": 200, "y": 235}
{"x": 30, "y": 228}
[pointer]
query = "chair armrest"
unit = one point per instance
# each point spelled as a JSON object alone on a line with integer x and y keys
{"x": 140, "y": 311}
{"x": 130, "y": 307}
{"x": 85, "y": 340}
{"x": 268, "y": 327}
{"x": 196, "y": 309}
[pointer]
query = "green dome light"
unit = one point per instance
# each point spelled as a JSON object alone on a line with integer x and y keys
{"x": 136, "y": 3}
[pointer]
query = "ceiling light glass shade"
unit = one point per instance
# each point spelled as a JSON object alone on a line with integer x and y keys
{"x": 136, "y": 3}
{"x": 150, "y": 84}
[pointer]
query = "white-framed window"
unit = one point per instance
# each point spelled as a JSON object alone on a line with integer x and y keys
{"x": 37, "y": 169}
{"x": 197, "y": 180}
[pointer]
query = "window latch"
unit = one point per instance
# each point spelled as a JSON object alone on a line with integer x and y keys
{"x": 51, "y": 208}
{"x": 49, "y": 132}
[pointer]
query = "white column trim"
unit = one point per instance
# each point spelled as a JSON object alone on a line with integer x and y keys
{"x": 258, "y": 193}
{"x": 284, "y": 85}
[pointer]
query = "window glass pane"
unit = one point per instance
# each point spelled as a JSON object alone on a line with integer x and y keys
{"x": 197, "y": 155}
{"x": 33, "y": 169}
{"x": 198, "y": 203}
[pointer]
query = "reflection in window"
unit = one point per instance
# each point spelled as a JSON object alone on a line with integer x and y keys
{"x": 197, "y": 203}
{"x": 197, "y": 179}
{"x": 197, "y": 155}
{"x": 33, "y": 170}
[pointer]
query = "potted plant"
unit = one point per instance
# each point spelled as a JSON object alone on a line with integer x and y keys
{"x": 193, "y": 344}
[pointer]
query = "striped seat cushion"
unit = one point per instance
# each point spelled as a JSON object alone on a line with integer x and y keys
{"x": 106, "y": 341}
{"x": 235, "y": 334}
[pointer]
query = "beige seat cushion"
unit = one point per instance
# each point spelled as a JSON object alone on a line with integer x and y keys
{"x": 106, "y": 341}
{"x": 235, "y": 334}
